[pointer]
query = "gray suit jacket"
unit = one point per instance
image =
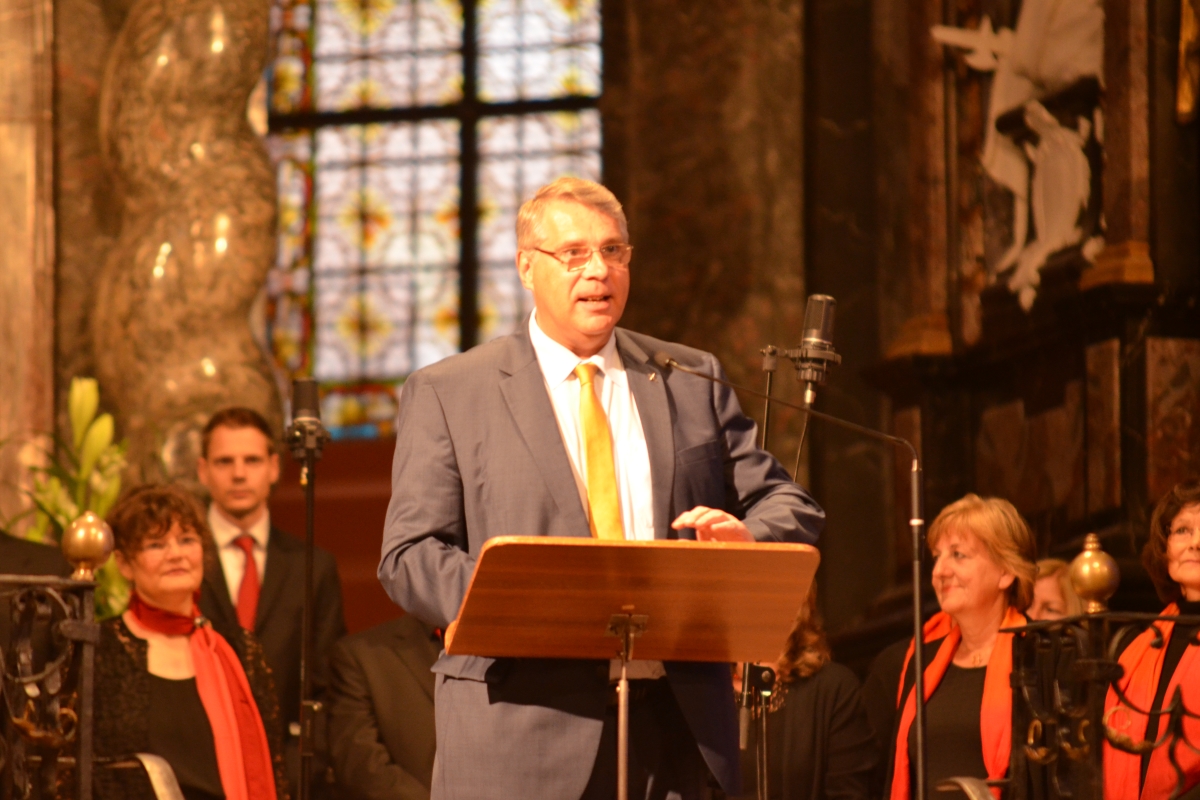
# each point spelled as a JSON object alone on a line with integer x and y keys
{"x": 478, "y": 454}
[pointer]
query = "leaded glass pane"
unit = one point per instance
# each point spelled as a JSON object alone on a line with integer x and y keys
{"x": 386, "y": 249}
{"x": 359, "y": 410}
{"x": 291, "y": 24}
{"x": 366, "y": 283}
{"x": 519, "y": 154}
{"x": 538, "y": 48}
{"x": 387, "y": 53}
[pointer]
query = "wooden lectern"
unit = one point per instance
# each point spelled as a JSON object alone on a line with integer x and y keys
{"x": 545, "y": 597}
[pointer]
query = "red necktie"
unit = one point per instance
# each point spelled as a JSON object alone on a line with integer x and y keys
{"x": 247, "y": 602}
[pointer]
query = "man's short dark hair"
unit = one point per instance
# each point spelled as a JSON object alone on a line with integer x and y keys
{"x": 237, "y": 417}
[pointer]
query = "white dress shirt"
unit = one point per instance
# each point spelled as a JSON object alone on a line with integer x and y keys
{"x": 233, "y": 558}
{"x": 631, "y": 456}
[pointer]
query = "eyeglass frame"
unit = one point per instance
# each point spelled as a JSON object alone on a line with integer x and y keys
{"x": 592, "y": 252}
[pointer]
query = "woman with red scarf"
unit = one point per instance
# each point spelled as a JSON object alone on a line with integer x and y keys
{"x": 166, "y": 682}
{"x": 1157, "y": 664}
{"x": 983, "y": 573}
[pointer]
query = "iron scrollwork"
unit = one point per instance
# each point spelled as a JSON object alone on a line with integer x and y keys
{"x": 46, "y": 671}
{"x": 1062, "y": 673}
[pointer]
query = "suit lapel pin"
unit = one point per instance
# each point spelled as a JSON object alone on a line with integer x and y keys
{"x": 653, "y": 375}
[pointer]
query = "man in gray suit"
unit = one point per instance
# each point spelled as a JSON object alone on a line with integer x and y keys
{"x": 567, "y": 428}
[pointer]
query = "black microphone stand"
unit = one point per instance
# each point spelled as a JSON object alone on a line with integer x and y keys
{"x": 758, "y": 682}
{"x": 916, "y": 523}
{"x": 306, "y": 437}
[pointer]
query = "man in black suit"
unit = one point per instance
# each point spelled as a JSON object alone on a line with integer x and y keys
{"x": 258, "y": 582}
{"x": 381, "y": 729}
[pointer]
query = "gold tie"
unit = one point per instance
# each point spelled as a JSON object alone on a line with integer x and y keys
{"x": 604, "y": 505}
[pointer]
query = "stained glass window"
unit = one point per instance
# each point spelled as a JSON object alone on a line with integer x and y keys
{"x": 406, "y": 133}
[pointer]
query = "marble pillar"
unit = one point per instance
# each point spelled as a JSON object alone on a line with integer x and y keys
{"x": 26, "y": 239}
{"x": 1126, "y": 106}
{"x": 925, "y": 330}
{"x": 170, "y": 325}
{"x": 703, "y": 143}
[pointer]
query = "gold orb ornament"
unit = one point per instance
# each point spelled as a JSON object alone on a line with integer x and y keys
{"x": 87, "y": 543}
{"x": 1094, "y": 575}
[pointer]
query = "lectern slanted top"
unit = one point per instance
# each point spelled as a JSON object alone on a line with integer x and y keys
{"x": 549, "y": 597}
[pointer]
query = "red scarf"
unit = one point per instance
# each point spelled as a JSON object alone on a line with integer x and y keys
{"x": 243, "y": 756}
{"x": 995, "y": 715}
{"x": 1143, "y": 668}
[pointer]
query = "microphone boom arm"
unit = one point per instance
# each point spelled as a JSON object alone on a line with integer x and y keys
{"x": 870, "y": 433}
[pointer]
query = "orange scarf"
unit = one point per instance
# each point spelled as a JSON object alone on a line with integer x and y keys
{"x": 995, "y": 715}
{"x": 1143, "y": 668}
{"x": 243, "y": 756}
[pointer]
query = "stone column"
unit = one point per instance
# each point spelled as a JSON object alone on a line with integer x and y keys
{"x": 26, "y": 237}
{"x": 170, "y": 325}
{"x": 1126, "y": 107}
{"x": 703, "y": 144}
{"x": 926, "y": 328}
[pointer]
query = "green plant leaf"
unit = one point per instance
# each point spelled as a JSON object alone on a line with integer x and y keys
{"x": 95, "y": 442}
{"x": 112, "y": 590}
{"x": 82, "y": 402}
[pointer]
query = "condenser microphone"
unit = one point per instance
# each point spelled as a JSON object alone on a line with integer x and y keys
{"x": 306, "y": 433}
{"x": 816, "y": 355}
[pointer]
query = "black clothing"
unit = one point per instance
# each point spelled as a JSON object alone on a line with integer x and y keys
{"x": 122, "y": 711}
{"x": 278, "y": 626}
{"x": 663, "y": 754}
{"x": 179, "y": 731}
{"x": 1181, "y": 637}
{"x": 819, "y": 742}
{"x": 953, "y": 741}
{"x": 879, "y": 696}
{"x": 381, "y": 728}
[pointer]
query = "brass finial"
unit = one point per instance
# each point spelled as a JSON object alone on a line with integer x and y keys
{"x": 1094, "y": 575}
{"x": 87, "y": 543}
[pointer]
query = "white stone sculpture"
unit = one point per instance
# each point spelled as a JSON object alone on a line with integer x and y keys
{"x": 1056, "y": 43}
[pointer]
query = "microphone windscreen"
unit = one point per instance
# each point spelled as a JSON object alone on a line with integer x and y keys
{"x": 661, "y": 360}
{"x": 305, "y": 402}
{"x": 818, "y": 319}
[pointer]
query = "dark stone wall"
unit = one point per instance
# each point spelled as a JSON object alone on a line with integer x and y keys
{"x": 739, "y": 137}
{"x": 86, "y": 204}
{"x": 849, "y": 473}
{"x": 703, "y": 144}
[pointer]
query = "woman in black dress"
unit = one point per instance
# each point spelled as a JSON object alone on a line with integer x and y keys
{"x": 1161, "y": 661}
{"x": 166, "y": 682}
{"x": 983, "y": 575}
{"x": 819, "y": 745}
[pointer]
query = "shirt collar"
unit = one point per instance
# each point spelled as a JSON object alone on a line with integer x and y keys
{"x": 558, "y": 363}
{"x": 224, "y": 531}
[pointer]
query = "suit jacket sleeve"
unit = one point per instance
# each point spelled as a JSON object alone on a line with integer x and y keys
{"x": 360, "y": 759}
{"x": 425, "y": 567}
{"x": 761, "y": 492}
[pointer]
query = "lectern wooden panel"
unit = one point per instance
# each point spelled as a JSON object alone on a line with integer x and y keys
{"x": 545, "y": 597}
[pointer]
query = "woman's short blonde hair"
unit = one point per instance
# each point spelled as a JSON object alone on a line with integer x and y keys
{"x": 578, "y": 190}
{"x": 1061, "y": 571}
{"x": 1004, "y": 534}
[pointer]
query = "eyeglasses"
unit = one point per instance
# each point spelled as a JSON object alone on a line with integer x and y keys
{"x": 616, "y": 256}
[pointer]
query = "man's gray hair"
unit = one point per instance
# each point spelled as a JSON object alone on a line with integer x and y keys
{"x": 579, "y": 190}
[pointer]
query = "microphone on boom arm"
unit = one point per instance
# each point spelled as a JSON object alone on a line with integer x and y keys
{"x": 816, "y": 355}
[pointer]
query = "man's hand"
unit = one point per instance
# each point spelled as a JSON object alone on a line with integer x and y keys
{"x": 713, "y": 525}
